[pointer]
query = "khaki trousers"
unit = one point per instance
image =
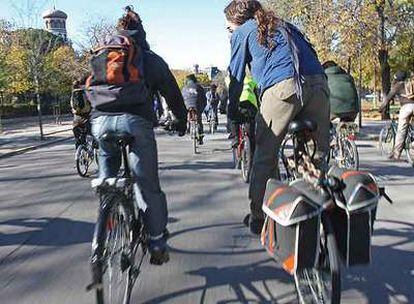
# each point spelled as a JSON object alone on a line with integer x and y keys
{"x": 406, "y": 113}
{"x": 280, "y": 106}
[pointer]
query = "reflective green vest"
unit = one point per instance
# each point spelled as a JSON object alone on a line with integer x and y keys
{"x": 248, "y": 93}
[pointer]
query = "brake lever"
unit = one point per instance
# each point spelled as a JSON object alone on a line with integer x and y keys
{"x": 385, "y": 195}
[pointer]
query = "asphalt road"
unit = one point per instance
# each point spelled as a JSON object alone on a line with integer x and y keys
{"x": 47, "y": 215}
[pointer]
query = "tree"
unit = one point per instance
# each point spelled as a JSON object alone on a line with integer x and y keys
{"x": 32, "y": 48}
{"x": 5, "y": 31}
{"x": 359, "y": 34}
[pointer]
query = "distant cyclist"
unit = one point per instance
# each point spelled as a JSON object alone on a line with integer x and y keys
{"x": 402, "y": 89}
{"x": 343, "y": 98}
{"x": 134, "y": 114}
{"x": 81, "y": 110}
{"x": 195, "y": 98}
{"x": 213, "y": 100}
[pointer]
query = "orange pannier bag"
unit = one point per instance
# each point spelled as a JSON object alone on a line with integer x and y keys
{"x": 292, "y": 227}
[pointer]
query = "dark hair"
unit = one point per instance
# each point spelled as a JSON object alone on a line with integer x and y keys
{"x": 329, "y": 64}
{"x": 130, "y": 20}
{"x": 239, "y": 11}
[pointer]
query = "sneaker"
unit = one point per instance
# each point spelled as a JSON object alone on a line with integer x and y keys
{"x": 159, "y": 251}
{"x": 256, "y": 225}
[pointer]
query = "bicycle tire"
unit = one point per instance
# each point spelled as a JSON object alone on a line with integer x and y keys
{"x": 83, "y": 161}
{"x": 311, "y": 285}
{"x": 194, "y": 136}
{"x": 350, "y": 148}
{"x": 246, "y": 160}
{"x": 195, "y": 145}
{"x": 117, "y": 232}
{"x": 409, "y": 146}
{"x": 387, "y": 140}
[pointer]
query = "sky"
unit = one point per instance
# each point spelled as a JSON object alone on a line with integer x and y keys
{"x": 183, "y": 32}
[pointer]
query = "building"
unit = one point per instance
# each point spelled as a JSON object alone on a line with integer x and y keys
{"x": 55, "y": 22}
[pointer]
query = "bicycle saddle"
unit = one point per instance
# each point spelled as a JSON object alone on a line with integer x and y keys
{"x": 122, "y": 138}
{"x": 298, "y": 126}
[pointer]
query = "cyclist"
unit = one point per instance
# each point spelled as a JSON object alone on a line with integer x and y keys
{"x": 137, "y": 120}
{"x": 213, "y": 100}
{"x": 401, "y": 89}
{"x": 344, "y": 96}
{"x": 224, "y": 96}
{"x": 81, "y": 110}
{"x": 292, "y": 85}
{"x": 195, "y": 97}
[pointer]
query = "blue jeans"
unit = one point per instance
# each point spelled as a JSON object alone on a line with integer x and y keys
{"x": 143, "y": 160}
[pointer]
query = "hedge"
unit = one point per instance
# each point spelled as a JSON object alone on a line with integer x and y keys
{"x": 28, "y": 109}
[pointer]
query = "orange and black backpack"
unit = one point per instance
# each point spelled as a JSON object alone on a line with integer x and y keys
{"x": 117, "y": 79}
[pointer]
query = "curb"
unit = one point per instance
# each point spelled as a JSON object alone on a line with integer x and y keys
{"x": 33, "y": 147}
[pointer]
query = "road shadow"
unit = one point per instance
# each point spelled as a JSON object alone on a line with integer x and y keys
{"x": 249, "y": 283}
{"x": 238, "y": 279}
{"x": 389, "y": 278}
{"x": 24, "y": 178}
{"x": 238, "y": 246}
{"x": 46, "y": 231}
{"x": 213, "y": 165}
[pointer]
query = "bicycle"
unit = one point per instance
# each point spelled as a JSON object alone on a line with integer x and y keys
{"x": 120, "y": 232}
{"x": 85, "y": 154}
{"x": 387, "y": 139}
{"x": 343, "y": 149}
{"x": 242, "y": 153}
{"x": 193, "y": 128}
{"x": 321, "y": 283}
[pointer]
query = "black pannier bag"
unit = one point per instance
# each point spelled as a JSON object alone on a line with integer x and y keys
{"x": 292, "y": 227}
{"x": 354, "y": 217}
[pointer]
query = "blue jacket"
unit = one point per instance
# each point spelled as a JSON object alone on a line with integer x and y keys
{"x": 292, "y": 57}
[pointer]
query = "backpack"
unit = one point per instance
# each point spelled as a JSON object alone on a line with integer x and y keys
{"x": 117, "y": 82}
{"x": 78, "y": 102}
{"x": 409, "y": 89}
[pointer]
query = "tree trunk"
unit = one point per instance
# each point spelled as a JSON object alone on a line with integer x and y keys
{"x": 39, "y": 106}
{"x": 385, "y": 79}
{"x": 348, "y": 69}
{"x": 383, "y": 57}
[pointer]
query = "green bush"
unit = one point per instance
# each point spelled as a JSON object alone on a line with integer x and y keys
{"x": 29, "y": 109}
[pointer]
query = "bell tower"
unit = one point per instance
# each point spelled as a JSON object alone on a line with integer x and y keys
{"x": 55, "y": 22}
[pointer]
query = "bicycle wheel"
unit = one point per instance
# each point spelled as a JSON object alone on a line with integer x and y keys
{"x": 323, "y": 283}
{"x": 194, "y": 135}
{"x": 195, "y": 145}
{"x": 409, "y": 146}
{"x": 350, "y": 154}
{"x": 246, "y": 160}
{"x": 83, "y": 160}
{"x": 116, "y": 258}
{"x": 387, "y": 140}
